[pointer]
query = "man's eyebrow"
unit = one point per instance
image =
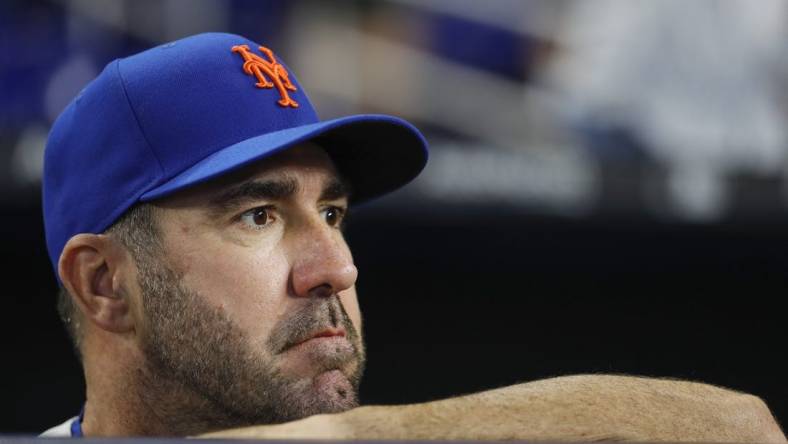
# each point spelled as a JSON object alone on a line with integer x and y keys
{"x": 254, "y": 190}
{"x": 335, "y": 189}
{"x": 273, "y": 190}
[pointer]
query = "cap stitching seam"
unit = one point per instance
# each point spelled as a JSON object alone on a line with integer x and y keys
{"x": 135, "y": 196}
{"x": 137, "y": 120}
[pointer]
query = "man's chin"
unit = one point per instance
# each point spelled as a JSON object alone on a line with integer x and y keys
{"x": 335, "y": 390}
{"x": 329, "y": 391}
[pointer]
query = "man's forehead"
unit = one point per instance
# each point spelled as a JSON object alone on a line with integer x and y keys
{"x": 290, "y": 165}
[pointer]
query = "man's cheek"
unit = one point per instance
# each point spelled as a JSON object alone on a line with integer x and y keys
{"x": 250, "y": 291}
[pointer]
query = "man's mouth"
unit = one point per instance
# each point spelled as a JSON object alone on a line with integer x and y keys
{"x": 326, "y": 333}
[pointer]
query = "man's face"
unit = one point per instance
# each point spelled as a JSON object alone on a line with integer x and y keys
{"x": 250, "y": 312}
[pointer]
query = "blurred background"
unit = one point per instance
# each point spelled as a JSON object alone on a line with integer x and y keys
{"x": 606, "y": 191}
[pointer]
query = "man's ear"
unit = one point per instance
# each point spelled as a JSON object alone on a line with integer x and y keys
{"x": 90, "y": 268}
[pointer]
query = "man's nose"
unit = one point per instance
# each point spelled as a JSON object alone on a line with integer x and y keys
{"x": 323, "y": 265}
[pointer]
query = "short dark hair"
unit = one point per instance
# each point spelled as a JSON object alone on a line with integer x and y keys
{"x": 138, "y": 231}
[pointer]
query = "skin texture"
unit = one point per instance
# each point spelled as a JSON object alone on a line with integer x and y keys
{"x": 200, "y": 334}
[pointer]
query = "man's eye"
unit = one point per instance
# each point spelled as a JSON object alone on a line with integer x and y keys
{"x": 256, "y": 217}
{"x": 334, "y": 216}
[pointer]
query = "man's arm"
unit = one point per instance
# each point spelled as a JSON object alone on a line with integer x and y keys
{"x": 570, "y": 408}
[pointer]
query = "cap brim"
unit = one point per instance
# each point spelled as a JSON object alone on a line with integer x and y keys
{"x": 375, "y": 153}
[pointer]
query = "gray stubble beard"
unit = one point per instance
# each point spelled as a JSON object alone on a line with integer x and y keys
{"x": 201, "y": 373}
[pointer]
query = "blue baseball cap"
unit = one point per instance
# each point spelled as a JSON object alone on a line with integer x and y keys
{"x": 191, "y": 110}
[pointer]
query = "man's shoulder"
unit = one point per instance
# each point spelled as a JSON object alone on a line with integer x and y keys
{"x": 59, "y": 431}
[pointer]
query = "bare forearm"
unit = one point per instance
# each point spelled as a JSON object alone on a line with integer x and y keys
{"x": 575, "y": 408}
{"x": 586, "y": 408}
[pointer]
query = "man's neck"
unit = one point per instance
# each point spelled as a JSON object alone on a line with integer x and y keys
{"x": 126, "y": 398}
{"x": 147, "y": 405}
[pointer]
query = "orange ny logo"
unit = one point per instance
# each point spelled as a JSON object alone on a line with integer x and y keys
{"x": 254, "y": 65}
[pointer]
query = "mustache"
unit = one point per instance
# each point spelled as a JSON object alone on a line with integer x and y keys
{"x": 316, "y": 315}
